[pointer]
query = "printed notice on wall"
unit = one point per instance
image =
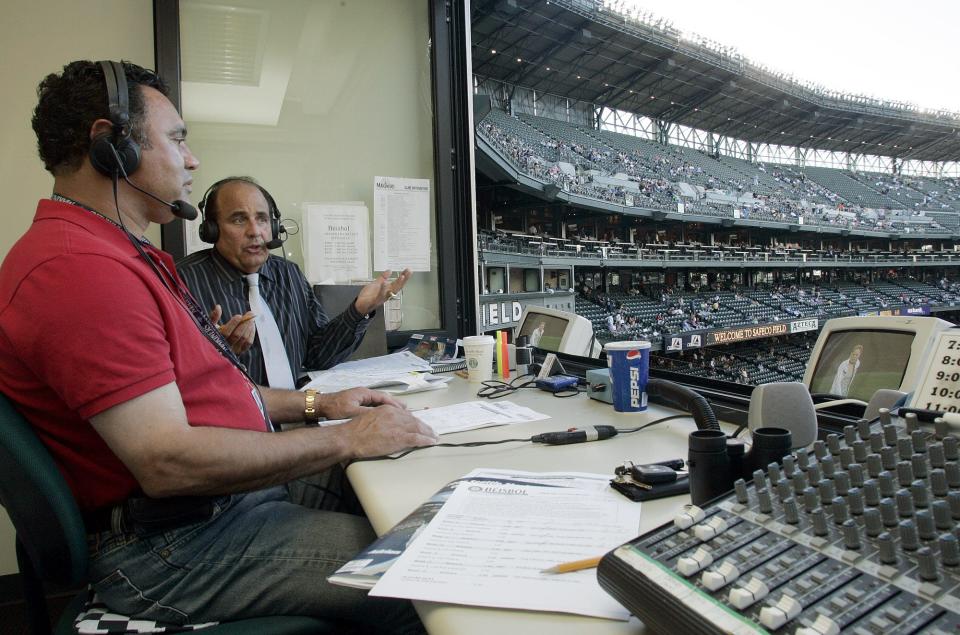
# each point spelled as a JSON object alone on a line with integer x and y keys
{"x": 401, "y": 221}
{"x": 336, "y": 246}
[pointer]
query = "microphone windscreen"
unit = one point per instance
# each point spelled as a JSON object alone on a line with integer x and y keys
{"x": 786, "y": 405}
{"x": 184, "y": 210}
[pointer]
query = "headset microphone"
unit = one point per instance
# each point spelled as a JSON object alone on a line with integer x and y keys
{"x": 278, "y": 240}
{"x": 180, "y": 209}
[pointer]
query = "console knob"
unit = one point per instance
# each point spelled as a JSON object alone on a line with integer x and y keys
{"x": 851, "y": 535}
{"x": 941, "y": 515}
{"x": 928, "y": 564}
{"x": 909, "y": 540}
{"x": 871, "y": 492}
{"x": 919, "y": 438}
{"x": 925, "y": 525}
{"x": 890, "y": 434}
{"x": 872, "y": 522}
{"x": 855, "y": 500}
{"x": 887, "y": 549}
{"x": 888, "y": 512}
{"x": 791, "y": 512}
{"x": 905, "y": 506}
{"x": 888, "y": 457}
{"x": 936, "y": 454}
{"x": 910, "y": 419}
{"x": 949, "y": 550}
{"x": 820, "y": 522}
{"x": 856, "y": 474}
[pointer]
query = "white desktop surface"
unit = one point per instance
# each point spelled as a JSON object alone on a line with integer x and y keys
{"x": 389, "y": 490}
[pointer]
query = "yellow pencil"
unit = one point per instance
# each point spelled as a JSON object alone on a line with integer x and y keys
{"x": 576, "y": 565}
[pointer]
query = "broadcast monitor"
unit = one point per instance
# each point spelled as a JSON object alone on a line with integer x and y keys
{"x": 856, "y": 356}
{"x": 558, "y": 331}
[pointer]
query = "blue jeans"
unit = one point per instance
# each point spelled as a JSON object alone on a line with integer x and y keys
{"x": 259, "y": 554}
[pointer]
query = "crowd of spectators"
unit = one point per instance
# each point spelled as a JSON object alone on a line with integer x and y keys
{"x": 575, "y": 168}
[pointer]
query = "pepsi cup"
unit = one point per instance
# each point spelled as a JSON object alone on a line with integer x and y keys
{"x": 629, "y": 364}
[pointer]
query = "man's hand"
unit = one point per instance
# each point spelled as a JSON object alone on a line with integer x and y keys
{"x": 353, "y": 402}
{"x": 384, "y": 430}
{"x": 379, "y": 291}
{"x": 239, "y": 331}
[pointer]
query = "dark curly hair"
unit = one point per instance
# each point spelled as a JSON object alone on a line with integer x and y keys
{"x": 70, "y": 102}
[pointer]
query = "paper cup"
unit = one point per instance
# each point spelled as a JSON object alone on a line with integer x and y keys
{"x": 629, "y": 364}
{"x": 478, "y": 349}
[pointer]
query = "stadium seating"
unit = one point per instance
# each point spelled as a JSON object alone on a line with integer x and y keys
{"x": 594, "y": 163}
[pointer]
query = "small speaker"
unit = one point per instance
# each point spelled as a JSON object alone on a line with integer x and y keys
{"x": 786, "y": 405}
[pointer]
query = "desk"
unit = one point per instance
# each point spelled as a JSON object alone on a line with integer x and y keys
{"x": 389, "y": 490}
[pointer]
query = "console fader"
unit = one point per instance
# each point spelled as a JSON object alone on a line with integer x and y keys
{"x": 860, "y": 535}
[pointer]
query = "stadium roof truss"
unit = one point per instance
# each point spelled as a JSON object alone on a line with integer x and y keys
{"x": 582, "y": 51}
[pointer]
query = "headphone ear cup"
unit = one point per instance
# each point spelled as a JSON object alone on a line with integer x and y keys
{"x": 104, "y": 154}
{"x": 209, "y": 231}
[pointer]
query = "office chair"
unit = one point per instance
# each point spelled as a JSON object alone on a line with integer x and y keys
{"x": 51, "y": 540}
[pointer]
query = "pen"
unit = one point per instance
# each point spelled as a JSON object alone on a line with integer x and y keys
{"x": 242, "y": 320}
{"x": 576, "y": 565}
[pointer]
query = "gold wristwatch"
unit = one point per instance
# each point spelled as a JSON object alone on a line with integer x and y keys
{"x": 310, "y": 412}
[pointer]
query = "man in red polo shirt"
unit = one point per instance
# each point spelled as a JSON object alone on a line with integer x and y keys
{"x": 160, "y": 434}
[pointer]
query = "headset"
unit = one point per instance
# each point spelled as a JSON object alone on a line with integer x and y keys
{"x": 116, "y": 153}
{"x": 210, "y": 230}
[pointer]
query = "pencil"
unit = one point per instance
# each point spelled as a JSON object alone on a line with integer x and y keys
{"x": 576, "y": 565}
{"x": 242, "y": 320}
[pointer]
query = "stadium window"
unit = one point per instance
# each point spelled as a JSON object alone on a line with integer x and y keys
{"x": 288, "y": 116}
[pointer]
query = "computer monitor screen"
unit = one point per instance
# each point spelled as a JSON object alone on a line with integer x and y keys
{"x": 856, "y": 363}
{"x": 545, "y": 331}
{"x": 558, "y": 331}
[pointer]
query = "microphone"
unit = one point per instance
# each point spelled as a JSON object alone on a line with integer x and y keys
{"x": 180, "y": 209}
{"x": 276, "y": 241}
{"x": 598, "y": 433}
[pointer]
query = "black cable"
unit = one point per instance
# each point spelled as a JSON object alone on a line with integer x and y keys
{"x": 477, "y": 444}
{"x": 652, "y": 423}
{"x": 494, "y": 388}
{"x": 469, "y": 444}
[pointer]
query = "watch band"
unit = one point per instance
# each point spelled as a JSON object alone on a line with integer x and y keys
{"x": 310, "y": 412}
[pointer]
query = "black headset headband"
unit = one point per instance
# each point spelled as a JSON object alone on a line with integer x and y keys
{"x": 116, "y": 154}
{"x": 210, "y": 230}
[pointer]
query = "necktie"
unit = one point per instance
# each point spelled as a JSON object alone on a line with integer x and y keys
{"x": 271, "y": 344}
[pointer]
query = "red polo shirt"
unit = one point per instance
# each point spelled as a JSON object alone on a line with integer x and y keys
{"x": 86, "y": 324}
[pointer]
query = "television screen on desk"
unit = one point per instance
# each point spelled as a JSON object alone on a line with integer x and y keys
{"x": 855, "y": 364}
{"x": 559, "y": 331}
{"x": 856, "y": 356}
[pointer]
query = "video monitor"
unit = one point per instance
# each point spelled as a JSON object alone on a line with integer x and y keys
{"x": 545, "y": 331}
{"x": 558, "y": 331}
{"x": 856, "y": 356}
{"x": 855, "y": 364}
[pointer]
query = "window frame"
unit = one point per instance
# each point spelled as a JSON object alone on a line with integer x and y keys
{"x": 453, "y": 177}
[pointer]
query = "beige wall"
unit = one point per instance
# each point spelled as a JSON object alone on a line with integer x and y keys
{"x": 38, "y": 37}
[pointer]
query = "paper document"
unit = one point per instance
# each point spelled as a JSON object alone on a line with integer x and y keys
{"x": 471, "y": 415}
{"x": 369, "y": 565}
{"x": 397, "y": 384}
{"x": 336, "y": 242}
{"x": 467, "y": 416}
{"x": 401, "y": 221}
{"x": 403, "y": 371}
{"x": 488, "y": 546}
{"x": 403, "y": 361}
